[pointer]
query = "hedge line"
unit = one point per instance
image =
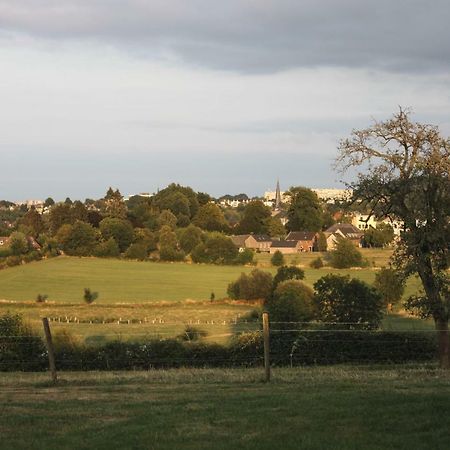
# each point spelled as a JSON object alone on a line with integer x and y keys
{"x": 304, "y": 348}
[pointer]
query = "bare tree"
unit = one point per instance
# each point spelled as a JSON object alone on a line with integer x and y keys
{"x": 404, "y": 174}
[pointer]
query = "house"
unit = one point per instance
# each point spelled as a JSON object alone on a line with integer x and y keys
{"x": 343, "y": 230}
{"x": 307, "y": 239}
{"x": 257, "y": 242}
{"x": 285, "y": 247}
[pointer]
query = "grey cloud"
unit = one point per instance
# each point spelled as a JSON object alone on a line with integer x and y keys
{"x": 251, "y": 35}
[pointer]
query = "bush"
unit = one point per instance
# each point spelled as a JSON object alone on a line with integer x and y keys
{"x": 107, "y": 249}
{"x": 136, "y": 251}
{"x": 12, "y": 261}
{"x": 168, "y": 253}
{"x": 292, "y": 301}
{"x": 245, "y": 257}
{"x": 350, "y": 303}
{"x": 255, "y": 286}
{"x": 41, "y": 298}
{"x": 192, "y": 334}
{"x": 345, "y": 255}
{"x": 217, "y": 249}
{"x": 277, "y": 259}
{"x": 89, "y": 296}
{"x": 316, "y": 263}
{"x": 32, "y": 256}
{"x": 20, "y": 348}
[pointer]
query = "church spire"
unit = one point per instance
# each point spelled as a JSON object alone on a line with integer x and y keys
{"x": 278, "y": 196}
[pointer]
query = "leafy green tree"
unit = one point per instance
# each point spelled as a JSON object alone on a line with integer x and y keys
{"x": 275, "y": 228}
{"x": 79, "y": 239}
{"x": 305, "y": 211}
{"x": 316, "y": 263}
{"x": 78, "y": 212}
{"x": 167, "y": 218}
{"x": 60, "y": 214}
{"x": 49, "y": 202}
{"x": 285, "y": 273}
{"x": 345, "y": 255}
{"x": 409, "y": 181}
{"x": 391, "y": 285}
{"x": 120, "y": 230}
{"x": 32, "y": 220}
{"x": 210, "y": 218}
{"x": 380, "y": 236}
{"x": 170, "y": 199}
{"x": 18, "y": 244}
{"x": 277, "y": 259}
{"x": 145, "y": 237}
{"x": 189, "y": 238}
{"x": 114, "y": 205}
{"x": 168, "y": 245}
{"x": 246, "y": 256}
{"x": 217, "y": 249}
{"x": 255, "y": 217}
{"x": 257, "y": 285}
{"x": 292, "y": 301}
{"x": 349, "y": 303}
{"x": 322, "y": 245}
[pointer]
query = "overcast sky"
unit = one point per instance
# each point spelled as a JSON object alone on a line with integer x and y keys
{"x": 225, "y": 96}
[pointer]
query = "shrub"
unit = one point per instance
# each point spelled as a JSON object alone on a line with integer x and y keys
{"x": 255, "y": 286}
{"x": 89, "y": 296}
{"x": 345, "y": 255}
{"x": 350, "y": 303}
{"x": 316, "y": 263}
{"x": 292, "y": 301}
{"x": 277, "y": 259}
{"x": 12, "y": 261}
{"x": 136, "y": 251}
{"x": 168, "y": 253}
{"x": 41, "y": 298}
{"x": 245, "y": 257}
{"x": 20, "y": 348}
{"x": 107, "y": 249}
{"x": 192, "y": 334}
{"x": 217, "y": 249}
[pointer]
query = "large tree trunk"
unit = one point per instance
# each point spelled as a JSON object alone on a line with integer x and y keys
{"x": 444, "y": 343}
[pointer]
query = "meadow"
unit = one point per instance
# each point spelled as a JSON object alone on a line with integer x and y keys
{"x": 138, "y": 300}
{"x": 337, "y": 407}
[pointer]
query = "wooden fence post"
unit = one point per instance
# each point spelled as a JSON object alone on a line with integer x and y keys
{"x": 266, "y": 335}
{"x": 50, "y": 349}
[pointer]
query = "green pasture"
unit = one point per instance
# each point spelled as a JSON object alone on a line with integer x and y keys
{"x": 312, "y": 408}
{"x": 63, "y": 280}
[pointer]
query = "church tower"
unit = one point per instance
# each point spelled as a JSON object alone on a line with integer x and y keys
{"x": 278, "y": 196}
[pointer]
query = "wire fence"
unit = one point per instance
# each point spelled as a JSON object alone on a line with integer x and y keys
{"x": 236, "y": 342}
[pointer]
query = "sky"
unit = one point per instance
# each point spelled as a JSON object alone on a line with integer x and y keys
{"x": 224, "y": 96}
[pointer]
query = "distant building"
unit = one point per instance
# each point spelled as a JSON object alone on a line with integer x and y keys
{"x": 257, "y": 242}
{"x": 285, "y": 247}
{"x": 343, "y": 230}
{"x": 306, "y": 239}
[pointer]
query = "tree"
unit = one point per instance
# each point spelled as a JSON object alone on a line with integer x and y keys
{"x": 305, "y": 211}
{"x": 120, "y": 230}
{"x": 32, "y": 220}
{"x": 322, "y": 245}
{"x": 391, "y": 285}
{"x": 286, "y": 273}
{"x": 107, "y": 249}
{"x": 275, "y": 228}
{"x": 114, "y": 205}
{"x": 257, "y": 285}
{"x": 165, "y": 199}
{"x": 210, "y": 218}
{"x": 345, "y": 255}
{"x": 292, "y": 301}
{"x": 277, "y": 259}
{"x": 49, "y": 202}
{"x": 59, "y": 215}
{"x": 350, "y": 303}
{"x": 79, "y": 239}
{"x": 189, "y": 238}
{"x": 405, "y": 175}
{"x": 380, "y": 236}
{"x": 167, "y": 218}
{"x": 217, "y": 249}
{"x": 255, "y": 218}
{"x": 18, "y": 243}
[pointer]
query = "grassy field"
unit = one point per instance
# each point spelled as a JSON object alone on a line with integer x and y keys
{"x": 63, "y": 280}
{"x": 311, "y": 408}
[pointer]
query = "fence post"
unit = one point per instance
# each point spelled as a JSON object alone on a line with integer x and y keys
{"x": 266, "y": 335}
{"x": 50, "y": 349}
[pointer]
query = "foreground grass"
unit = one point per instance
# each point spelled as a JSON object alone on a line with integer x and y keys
{"x": 313, "y": 408}
{"x": 64, "y": 278}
